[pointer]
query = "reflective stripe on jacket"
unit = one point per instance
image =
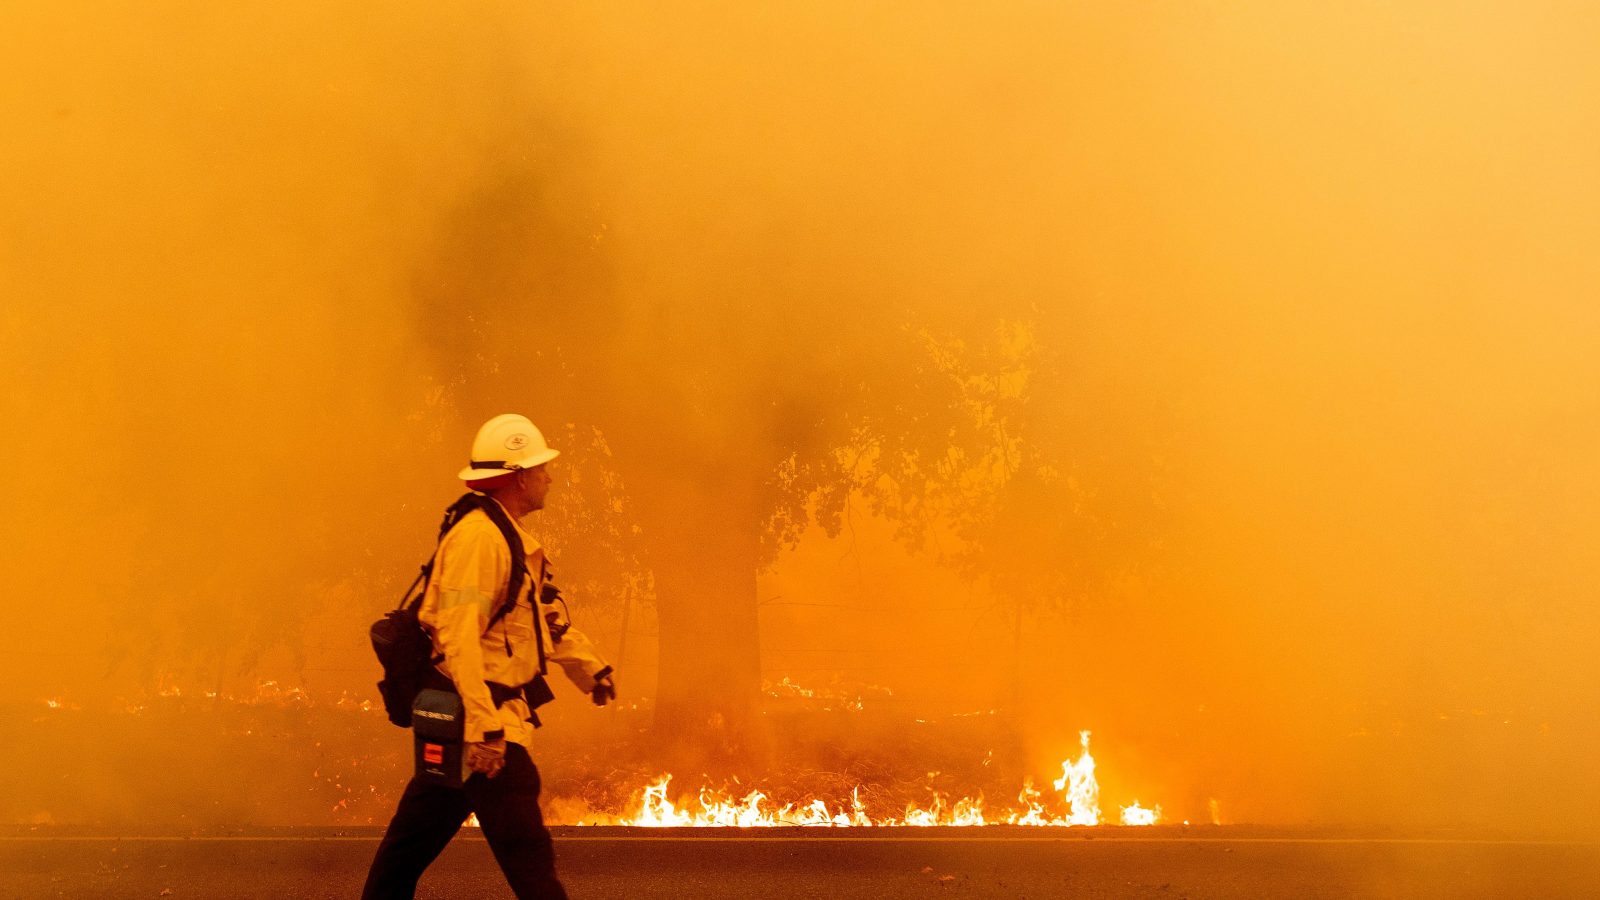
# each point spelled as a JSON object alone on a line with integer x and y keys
{"x": 468, "y": 585}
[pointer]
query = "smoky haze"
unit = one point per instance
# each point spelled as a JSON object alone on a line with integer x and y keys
{"x": 1313, "y": 294}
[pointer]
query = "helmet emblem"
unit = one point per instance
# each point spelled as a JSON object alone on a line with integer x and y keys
{"x": 516, "y": 442}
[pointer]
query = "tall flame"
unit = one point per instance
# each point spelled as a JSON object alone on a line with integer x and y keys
{"x": 1083, "y": 792}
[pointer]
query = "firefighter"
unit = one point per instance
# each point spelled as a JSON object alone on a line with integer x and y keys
{"x": 497, "y": 669}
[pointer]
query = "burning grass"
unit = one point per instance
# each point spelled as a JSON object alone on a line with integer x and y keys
{"x": 1075, "y": 802}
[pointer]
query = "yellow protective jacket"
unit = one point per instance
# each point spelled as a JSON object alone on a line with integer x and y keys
{"x": 468, "y": 585}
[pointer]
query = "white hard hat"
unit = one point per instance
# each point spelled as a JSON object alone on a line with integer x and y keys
{"x": 504, "y": 444}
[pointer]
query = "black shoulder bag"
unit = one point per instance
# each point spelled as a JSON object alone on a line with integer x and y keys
{"x": 403, "y": 646}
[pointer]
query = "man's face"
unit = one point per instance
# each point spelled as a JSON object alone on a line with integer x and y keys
{"x": 535, "y": 484}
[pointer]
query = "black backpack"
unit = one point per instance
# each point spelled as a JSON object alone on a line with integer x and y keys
{"x": 403, "y": 646}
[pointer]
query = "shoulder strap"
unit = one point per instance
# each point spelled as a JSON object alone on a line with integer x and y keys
{"x": 452, "y": 516}
{"x": 409, "y": 601}
{"x": 519, "y": 560}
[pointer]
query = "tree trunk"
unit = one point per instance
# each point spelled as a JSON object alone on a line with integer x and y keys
{"x": 710, "y": 672}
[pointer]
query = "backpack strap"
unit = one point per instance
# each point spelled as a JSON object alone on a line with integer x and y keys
{"x": 519, "y": 560}
{"x": 519, "y": 569}
{"x": 409, "y": 601}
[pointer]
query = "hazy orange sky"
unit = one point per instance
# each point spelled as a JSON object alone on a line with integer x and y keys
{"x": 1335, "y": 267}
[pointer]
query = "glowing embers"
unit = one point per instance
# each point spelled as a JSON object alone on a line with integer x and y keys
{"x": 835, "y": 696}
{"x": 1076, "y": 802}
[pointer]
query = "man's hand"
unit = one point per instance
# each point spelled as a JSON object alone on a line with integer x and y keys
{"x": 488, "y": 757}
{"x": 604, "y": 690}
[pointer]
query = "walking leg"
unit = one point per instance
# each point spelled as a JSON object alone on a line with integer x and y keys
{"x": 508, "y": 809}
{"x": 427, "y": 818}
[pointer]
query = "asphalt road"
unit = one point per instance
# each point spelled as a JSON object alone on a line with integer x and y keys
{"x": 837, "y": 864}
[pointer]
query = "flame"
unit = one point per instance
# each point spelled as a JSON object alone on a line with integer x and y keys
{"x": 1029, "y": 798}
{"x": 1083, "y": 792}
{"x": 967, "y": 812}
{"x": 1077, "y": 790}
{"x": 656, "y": 811}
{"x": 859, "y": 809}
{"x": 1138, "y": 815}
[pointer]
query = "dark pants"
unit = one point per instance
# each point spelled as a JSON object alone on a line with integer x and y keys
{"x": 508, "y": 810}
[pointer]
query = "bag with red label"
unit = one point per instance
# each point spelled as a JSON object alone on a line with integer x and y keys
{"x": 439, "y": 723}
